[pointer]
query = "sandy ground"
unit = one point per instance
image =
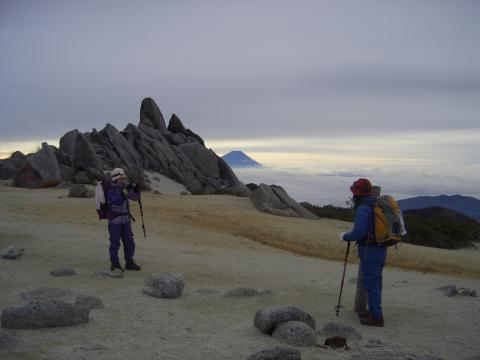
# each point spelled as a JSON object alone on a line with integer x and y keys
{"x": 218, "y": 243}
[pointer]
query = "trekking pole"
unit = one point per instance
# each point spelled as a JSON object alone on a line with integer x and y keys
{"x": 141, "y": 214}
{"x": 343, "y": 276}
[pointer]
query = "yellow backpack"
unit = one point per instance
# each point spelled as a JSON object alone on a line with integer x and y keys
{"x": 389, "y": 225}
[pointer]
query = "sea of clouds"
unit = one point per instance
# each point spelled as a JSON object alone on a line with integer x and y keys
{"x": 325, "y": 188}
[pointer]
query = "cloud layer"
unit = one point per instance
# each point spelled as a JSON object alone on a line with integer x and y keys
{"x": 333, "y": 187}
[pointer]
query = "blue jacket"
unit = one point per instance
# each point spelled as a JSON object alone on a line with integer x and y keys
{"x": 364, "y": 222}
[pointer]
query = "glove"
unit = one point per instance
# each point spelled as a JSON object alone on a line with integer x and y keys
{"x": 340, "y": 237}
{"x": 133, "y": 186}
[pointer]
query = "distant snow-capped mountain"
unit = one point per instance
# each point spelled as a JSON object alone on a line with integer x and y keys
{"x": 238, "y": 159}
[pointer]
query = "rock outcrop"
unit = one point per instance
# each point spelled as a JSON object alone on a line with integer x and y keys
{"x": 39, "y": 170}
{"x": 274, "y": 200}
{"x": 174, "y": 151}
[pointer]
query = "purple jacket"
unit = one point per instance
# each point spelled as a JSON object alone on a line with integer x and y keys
{"x": 119, "y": 207}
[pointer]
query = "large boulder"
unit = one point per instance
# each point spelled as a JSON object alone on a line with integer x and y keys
{"x": 273, "y": 199}
{"x": 8, "y": 167}
{"x": 295, "y": 333}
{"x": 39, "y": 170}
{"x": 164, "y": 285}
{"x": 36, "y": 314}
{"x": 266, "y": 320}
{"x": 150, "y": 115}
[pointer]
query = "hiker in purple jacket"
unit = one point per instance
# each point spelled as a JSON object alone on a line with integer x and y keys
{"x": 119, "y": 219}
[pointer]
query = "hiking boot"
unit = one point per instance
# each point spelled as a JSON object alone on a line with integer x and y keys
{"x": 371, "y": 321}
{"x": 113, "y": 267}
{"x": 130, "y": 265}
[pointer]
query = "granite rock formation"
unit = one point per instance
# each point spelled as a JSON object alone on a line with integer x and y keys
{"x": 274, "y": 199}
{"x": 174, "y": 151}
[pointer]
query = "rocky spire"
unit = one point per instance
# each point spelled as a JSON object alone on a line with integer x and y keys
{"x": 150, "y": 115}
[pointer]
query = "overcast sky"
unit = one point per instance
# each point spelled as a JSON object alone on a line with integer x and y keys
{"x": 287, "y": 73}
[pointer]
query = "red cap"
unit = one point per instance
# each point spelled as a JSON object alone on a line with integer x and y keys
{"x": 361, "y": 187}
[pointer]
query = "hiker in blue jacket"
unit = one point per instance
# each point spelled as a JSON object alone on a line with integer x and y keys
{"x": 372, "y": 256}
{"x": 119, "y": 219}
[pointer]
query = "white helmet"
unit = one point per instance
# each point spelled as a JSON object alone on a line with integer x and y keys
{"x": 117, "y": 173}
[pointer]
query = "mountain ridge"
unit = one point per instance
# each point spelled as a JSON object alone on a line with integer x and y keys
{"x": 466, "y": 205}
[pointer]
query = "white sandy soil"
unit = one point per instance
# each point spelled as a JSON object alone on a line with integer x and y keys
{"x": 216, "y": 243}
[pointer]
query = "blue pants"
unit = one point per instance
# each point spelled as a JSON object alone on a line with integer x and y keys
{"x": 372, "y": 261}
{"x": 124, "y": 232}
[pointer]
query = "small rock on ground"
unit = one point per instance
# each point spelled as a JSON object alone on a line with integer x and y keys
{"x": 63, "y": 271}
{"x": 452, "y": 290}
{"x": 466, "y": 292}
{"x": 295, "y": 333}
{"x": 277, "y": 353}
{"x": 12, "y": 253}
